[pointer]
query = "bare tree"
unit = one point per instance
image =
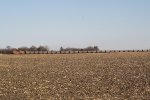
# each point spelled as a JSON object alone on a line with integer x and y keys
{"x": 24, "y": 48}
{"x": 43, "y": 48}
{"x": 33, "y": 48}
{"x": 61, "y": 48}
{"x": 96, "y": 48}
{"x": 8, "y": 47}
{"x": 91, "y": 48}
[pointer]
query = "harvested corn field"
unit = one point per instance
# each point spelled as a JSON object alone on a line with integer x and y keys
{"x": 113, "y": 76}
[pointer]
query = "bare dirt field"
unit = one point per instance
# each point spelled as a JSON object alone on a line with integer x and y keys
{"x": 106, "y": 76}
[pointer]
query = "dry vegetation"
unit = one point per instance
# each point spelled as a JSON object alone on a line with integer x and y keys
{"x": 113, "y": 76}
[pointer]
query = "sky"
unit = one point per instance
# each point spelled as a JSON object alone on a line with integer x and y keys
{"x": 108, "y": 24}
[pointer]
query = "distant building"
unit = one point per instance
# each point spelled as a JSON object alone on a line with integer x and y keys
{"x": 15, "y": 51}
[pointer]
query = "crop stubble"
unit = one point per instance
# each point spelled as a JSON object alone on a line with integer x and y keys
{"x": 114, "y": 76}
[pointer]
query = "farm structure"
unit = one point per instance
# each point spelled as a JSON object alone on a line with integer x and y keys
{"x": 18, "y": 52}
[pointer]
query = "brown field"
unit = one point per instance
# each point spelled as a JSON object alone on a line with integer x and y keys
{"x": 107, "y": 76}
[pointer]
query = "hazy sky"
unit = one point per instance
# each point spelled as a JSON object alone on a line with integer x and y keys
{"x": 109, "y": 24}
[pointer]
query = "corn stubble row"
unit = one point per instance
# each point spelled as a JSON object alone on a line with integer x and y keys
{"x": 113, "y": 76}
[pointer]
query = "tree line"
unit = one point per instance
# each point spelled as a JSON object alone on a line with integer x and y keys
{"x": 9, "y": 49}
{"x": 89, "y": 48}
